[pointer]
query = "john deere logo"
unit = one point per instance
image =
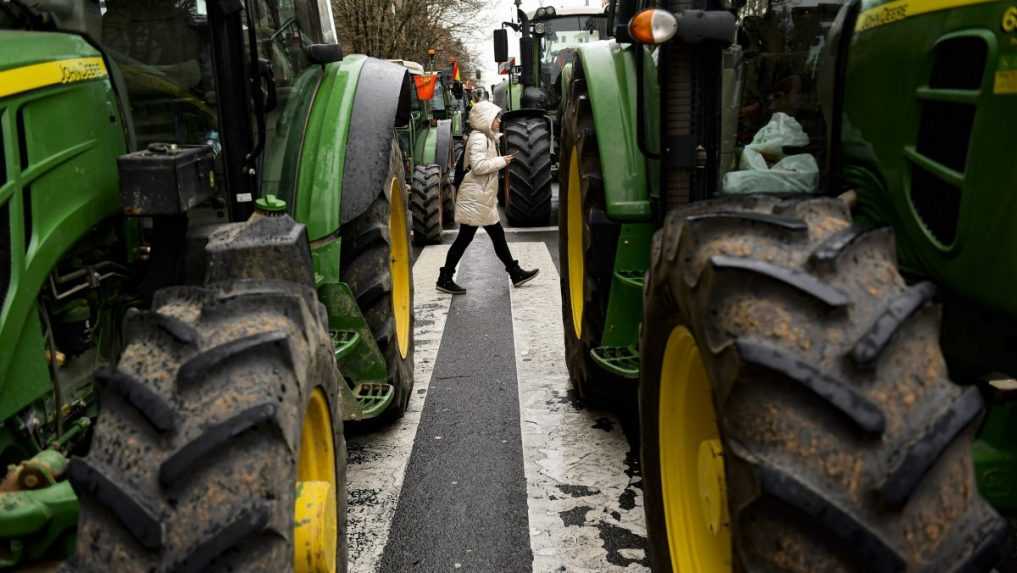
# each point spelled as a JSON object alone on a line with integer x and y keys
{"x": 81, "y": 70}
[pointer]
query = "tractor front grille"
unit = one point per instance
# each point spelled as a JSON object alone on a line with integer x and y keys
{"x": 939, "y": 159}
{"x": 945, "y": 132}
{"x": 959, "y": 64}
{"x": 937, "y": 204}
{"x": 690, "y": 115}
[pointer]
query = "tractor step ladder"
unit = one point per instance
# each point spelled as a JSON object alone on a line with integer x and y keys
{"x": 620, "y": 360}
{"x": 373, "y": 397}
{"x": 344, "y": 342}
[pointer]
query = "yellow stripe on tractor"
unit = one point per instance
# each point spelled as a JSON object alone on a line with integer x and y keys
{"x": 35, "y": 76}
{"x": 902, "y": 9}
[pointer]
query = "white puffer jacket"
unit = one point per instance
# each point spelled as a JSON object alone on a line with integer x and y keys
{"x": 477, "y": 198}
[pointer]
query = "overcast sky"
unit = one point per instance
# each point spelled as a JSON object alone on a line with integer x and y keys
{"x": 501, "y": 11}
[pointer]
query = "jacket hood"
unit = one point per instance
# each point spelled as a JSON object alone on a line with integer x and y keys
{"x": 481, "y": 116}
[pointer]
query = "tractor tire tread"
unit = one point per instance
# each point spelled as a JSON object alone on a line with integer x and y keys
{"x": 426, "y": 204}
{"x": 830, "y": 466}
{"x": 528, "y": 203}
{"x": 157, "y": 411}
{"x": 366, "y": 268}
{"x": 145, "y": 494}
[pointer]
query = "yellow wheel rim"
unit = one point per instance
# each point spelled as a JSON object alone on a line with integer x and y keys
{"x": 574, "y": 236}
{"x": 315, "y": 517}
{"x": 399, "y": 266}
{"x": 691, "y": 462}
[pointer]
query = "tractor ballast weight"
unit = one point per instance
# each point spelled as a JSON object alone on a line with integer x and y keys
{"x": 745, "y": 316}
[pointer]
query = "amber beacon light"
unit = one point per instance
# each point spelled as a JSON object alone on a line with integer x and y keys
{"x": 653, "y": 26}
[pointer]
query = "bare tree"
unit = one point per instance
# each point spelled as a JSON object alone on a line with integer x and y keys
{"x": 406, "y": 29}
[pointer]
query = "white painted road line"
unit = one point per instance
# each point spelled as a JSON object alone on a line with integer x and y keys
{"x": 585, "y": 501}
{"x": 377, "y": 459}
{"x": 509, "y": 231}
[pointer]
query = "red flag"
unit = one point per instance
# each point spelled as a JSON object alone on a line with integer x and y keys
{"x": 455, "y": 72}
{"x": 425, "y": 86}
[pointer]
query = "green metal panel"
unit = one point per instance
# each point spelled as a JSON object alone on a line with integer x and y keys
{"x": 426, "y": 142}
{"x": 38, "y": 523}
{"x": 517, "y": 94}
{"x": 319, "y": 187}
{"x": 995, "y": 457}
{"x": 891, "y": 161}
{"x": 457, "y": 123}
{"x": 282, "y": 154}
{"x": 625, "y": 302}
{"x": 61, "y": 180}
{"x": 610, "y": 74}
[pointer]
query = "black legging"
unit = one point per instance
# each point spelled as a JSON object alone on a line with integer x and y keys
{"x": 465, "y": 237}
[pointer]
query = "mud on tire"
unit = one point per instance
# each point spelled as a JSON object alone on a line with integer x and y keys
{"x": 366, "y": 253}
{"x": 528, "y": 197}
{"x": 426, "y": 204}
{"x": 846, "y": 447}
{"x": 193, "y": 464}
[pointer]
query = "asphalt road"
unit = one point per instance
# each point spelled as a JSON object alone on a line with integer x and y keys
{"x": 497, "y": 466}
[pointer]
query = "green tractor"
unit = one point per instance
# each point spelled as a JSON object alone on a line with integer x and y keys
{"x": 531, "y": 98}
{"x": 428, "y": 145}
{"x": 823, "y": 374}
{"x": 204, "y": 271}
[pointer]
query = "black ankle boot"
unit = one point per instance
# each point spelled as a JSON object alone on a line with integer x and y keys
{"x": 446, "y": 284}
{"x": 519, "y": 275}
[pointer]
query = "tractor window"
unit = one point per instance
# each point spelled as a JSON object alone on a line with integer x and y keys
{"x": 438, "y": 100}
{"x": 781, "y": 54}
{"x": 568, "y": 32}
{"x": 286, "y": 28}
{"x": 163, "y": 51}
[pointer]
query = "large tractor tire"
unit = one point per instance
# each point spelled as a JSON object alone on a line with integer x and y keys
{"x": 220, "y": 444}
{"x": 587, "y": 243}
{"x": 426, "y": 204}
{"x": 796, "y": 413}
{"x": 376, "y": 264}
{"x": 528, "y": 194}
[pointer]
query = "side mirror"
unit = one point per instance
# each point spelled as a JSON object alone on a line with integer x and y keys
{"x": 324, "y": 53}
{"x": 501, "y": 45}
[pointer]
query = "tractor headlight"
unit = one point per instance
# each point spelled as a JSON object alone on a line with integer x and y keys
{"x": 550, "y": 12}
{"x": 538, "y": 28}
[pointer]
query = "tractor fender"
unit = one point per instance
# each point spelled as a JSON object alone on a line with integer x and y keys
{"x": 346, "y": 142}
{"x": 443, "y": 145}
{"x": 425, "y": 152}
{"x": 382, "y": 103}
{"x": 609, "y": 70}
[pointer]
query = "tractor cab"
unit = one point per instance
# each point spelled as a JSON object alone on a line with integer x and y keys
{"x": 559, "y": 32}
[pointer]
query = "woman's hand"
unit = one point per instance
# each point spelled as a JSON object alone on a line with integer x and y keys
{"x": 508, "y": 158}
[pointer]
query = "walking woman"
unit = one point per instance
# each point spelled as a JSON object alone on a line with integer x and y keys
{"x": 477, "y": 199}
